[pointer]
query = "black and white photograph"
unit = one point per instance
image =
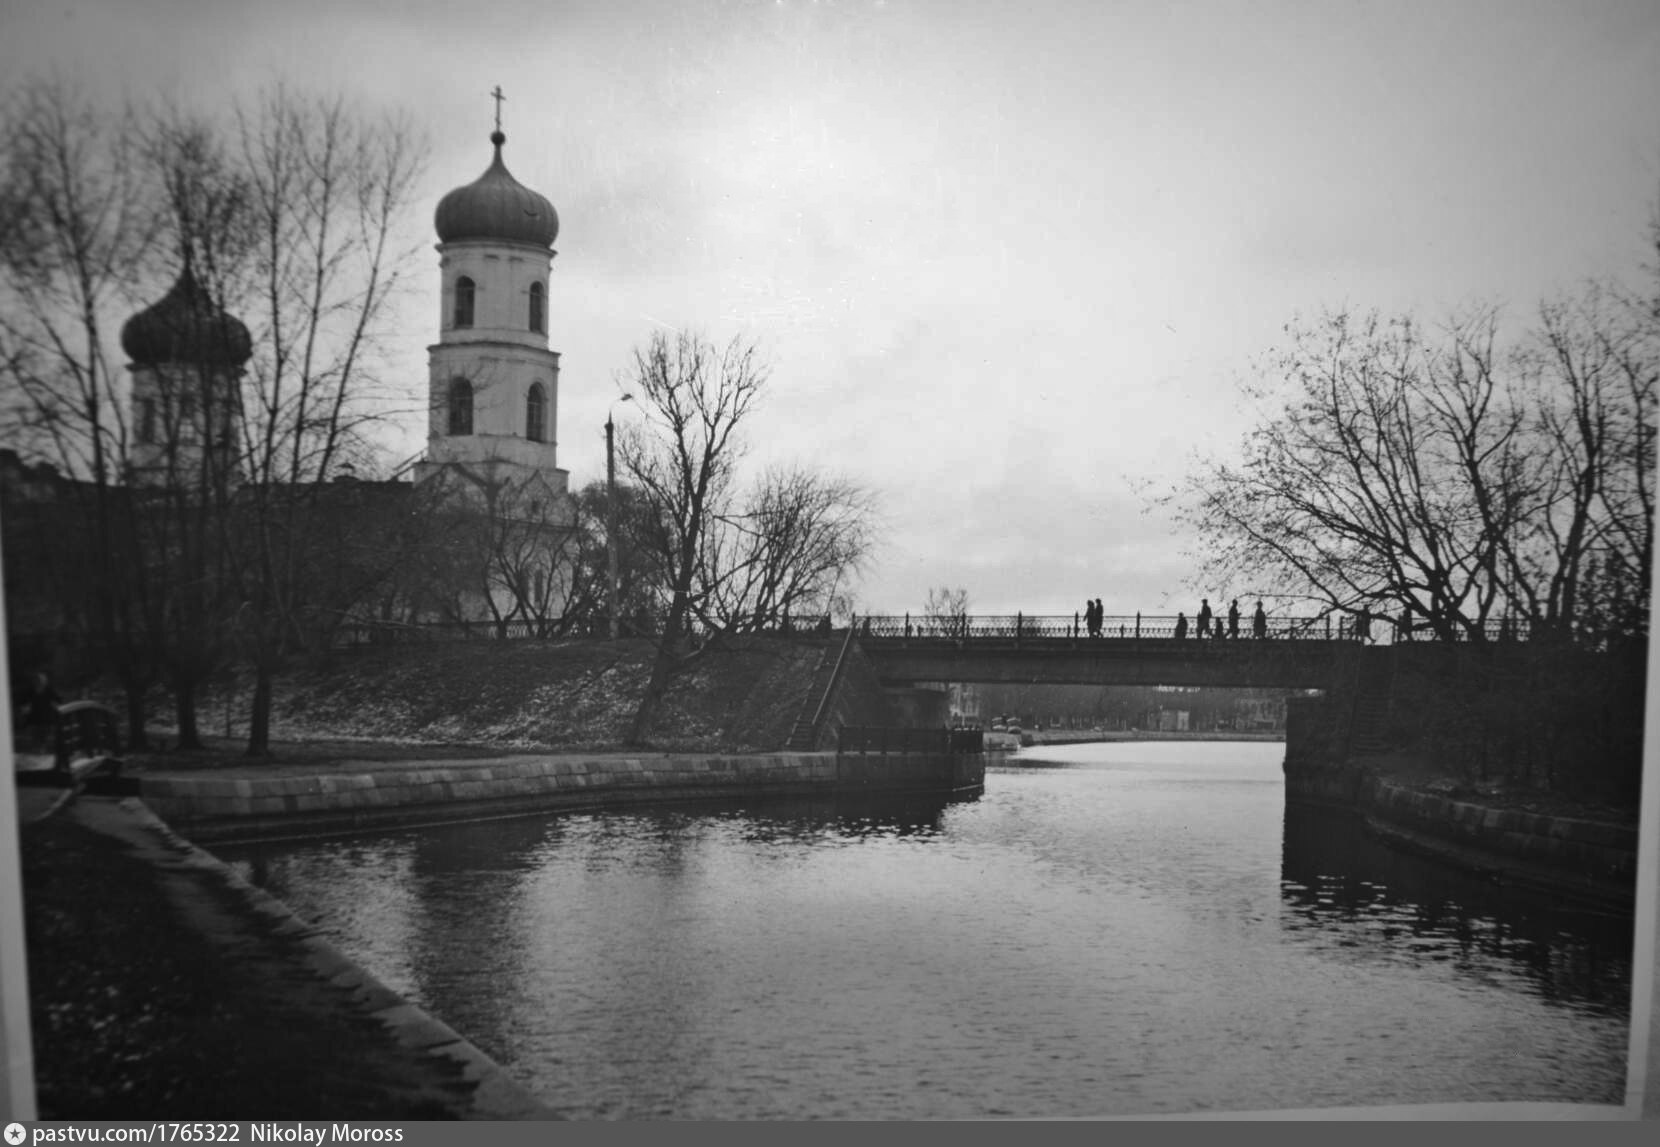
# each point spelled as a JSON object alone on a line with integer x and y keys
{"x": 839, "y": 560}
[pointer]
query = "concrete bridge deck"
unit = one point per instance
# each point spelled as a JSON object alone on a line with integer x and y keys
{"x": 1301, "y": 664}
{"x": 1138, "y": 649}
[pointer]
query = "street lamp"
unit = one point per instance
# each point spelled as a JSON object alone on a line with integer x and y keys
{"x": 611, "y": 510}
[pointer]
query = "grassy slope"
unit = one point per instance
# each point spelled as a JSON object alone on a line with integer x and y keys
{"x": 534, "y": 695}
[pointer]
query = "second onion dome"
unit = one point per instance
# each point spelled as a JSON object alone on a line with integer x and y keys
{"x": 185, "y": 326}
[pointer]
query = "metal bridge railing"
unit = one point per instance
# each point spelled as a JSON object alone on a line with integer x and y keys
{"x": 1025, "y": 626}
{"x": 976, "y": 627}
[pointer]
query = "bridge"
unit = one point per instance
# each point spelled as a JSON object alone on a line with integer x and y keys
{"x": 1294, "y": 653}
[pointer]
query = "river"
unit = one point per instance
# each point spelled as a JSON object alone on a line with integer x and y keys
{"x": 1107, "y": 929}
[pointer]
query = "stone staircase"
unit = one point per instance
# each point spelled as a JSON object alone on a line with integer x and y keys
{"x": 1367, "y": 734}
{"x": 804, "y": 734}
{"x": 1369, "y": 720}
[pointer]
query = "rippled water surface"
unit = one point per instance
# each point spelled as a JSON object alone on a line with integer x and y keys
{"x": 1107, "y": 929}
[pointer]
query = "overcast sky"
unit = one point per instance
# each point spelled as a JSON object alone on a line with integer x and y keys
{"x": 1007, "y": 259}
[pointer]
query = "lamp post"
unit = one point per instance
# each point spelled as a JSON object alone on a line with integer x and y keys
{"x": 611, "y": 512}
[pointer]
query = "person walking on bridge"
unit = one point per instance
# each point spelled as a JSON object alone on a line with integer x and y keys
{"x": 1259, "y": 623}
{"x": 1181, "y": 626}
{"x": 1204, "y": 617}
{"x": 1233, "y": 618}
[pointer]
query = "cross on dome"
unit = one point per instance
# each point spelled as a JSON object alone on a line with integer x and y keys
{"x": 496, "y": 207}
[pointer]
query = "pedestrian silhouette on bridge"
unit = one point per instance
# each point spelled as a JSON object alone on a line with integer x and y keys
{"x": 1403, "y": 625}
{"x": 1181, "y": 626}
{"x": 1233, "y": 618}
{"x": 1259, "y": 623}
{"x": 1204, "y": 617}
{"x": 1363, "y": 626}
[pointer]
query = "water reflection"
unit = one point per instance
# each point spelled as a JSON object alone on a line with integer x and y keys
{"x": 1138, "y": 928}
{"x": 1352, "y": 894}
{"x": 851, "y": 817}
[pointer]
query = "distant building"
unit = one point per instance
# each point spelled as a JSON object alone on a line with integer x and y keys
{"x": 492, "y": 442}
{"x": 964, "y": 703}
{"x": 186, "y": 360}
{"x": 1169, "y": 720}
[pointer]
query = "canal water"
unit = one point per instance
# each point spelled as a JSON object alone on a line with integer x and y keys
{"x": 1107, "y": 929}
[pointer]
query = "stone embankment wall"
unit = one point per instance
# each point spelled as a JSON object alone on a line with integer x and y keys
{"x": 1080, "y": 736}
{"x": 209, "y": 808}
{"x": 1593, "y": 859}
{"x": 1591, "y": 851}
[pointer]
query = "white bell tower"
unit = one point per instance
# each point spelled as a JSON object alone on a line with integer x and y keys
{"x": 493, "y": 383}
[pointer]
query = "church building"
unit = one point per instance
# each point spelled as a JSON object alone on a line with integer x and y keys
{"x": 493, "y": 388}
{"x": 488, "y": 487}
{"x": 493, "y": 381}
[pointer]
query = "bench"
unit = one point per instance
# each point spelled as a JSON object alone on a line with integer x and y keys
{"x": 86, "y": 746}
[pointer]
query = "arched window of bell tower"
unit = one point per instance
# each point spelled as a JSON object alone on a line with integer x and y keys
{"x": 538, "y": 308}
{"x": 536, "y": 413}
{"x": 461, "y": 406}
{"x": 464, "y": 302}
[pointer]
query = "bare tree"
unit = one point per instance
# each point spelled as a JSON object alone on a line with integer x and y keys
{"x": 1446, "y": 477}
{"x": 186, "y": 433}
{"x": 637, "y": 538}
{"x": 801, "y": 537}
{"x": 946, "y": 611}
{"x": 328, "y": 191}
{"x": 294, "y": 226}
{"x": 79, "y": 224}
{"x": 514, "y": 540}
{"x": 1592, "y": 371}
{"x": 694, "y": 397}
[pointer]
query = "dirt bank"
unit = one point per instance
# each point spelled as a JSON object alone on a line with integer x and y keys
{"x": 156, "y": 991}
{"x": 580, "y": 696}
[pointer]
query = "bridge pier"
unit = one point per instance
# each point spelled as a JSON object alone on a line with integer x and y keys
{"x": 918, "y": 706}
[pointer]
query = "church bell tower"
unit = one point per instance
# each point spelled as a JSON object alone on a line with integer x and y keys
{"x": 186, "y": 357}
{"x": 493, "y": 383}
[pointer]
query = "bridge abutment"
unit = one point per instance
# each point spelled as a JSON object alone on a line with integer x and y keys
{"x": 1347, "y": 752}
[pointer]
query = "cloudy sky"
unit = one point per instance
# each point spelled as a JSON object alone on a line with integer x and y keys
{"x": 1009, "y": 260}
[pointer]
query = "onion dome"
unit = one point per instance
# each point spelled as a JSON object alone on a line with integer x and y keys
{"x": 496, "y": 207}
{"x": 186, "y": 327}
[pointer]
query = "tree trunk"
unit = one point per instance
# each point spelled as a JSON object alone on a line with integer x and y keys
{"x": 662, "y": 669}
{"x": 259, "y": 719}
{"x": 184, "y": 699}
{"x": 656, "y": 689}
{"x": 136, "y": 738}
